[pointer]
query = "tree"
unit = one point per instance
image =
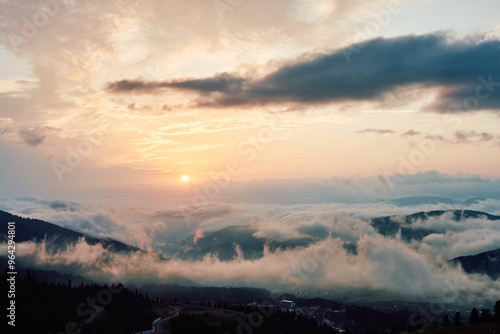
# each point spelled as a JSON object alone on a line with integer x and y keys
{"x": 474, "y": 317}
{"x": 497, "y": 311}
{"x": 457, "y": 319}
{"x": 446, "y": 321}
{"x": 485, "y": 316}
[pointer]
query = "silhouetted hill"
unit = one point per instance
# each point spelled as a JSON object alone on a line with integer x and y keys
{"x": 198, "y": 293}
{"x": 60, "y": 238}
{"x": 48, "y": 308}
{"x": 48, "y": 276}
{"x": 483, "y": 263}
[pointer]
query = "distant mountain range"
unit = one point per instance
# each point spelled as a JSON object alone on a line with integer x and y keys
{"x": 483, "y": 263}
{"x": 422, "y": 200}
{"x": 391, "y": 225}
{"x": 60, "y": 238}
{"x": 223, "y": 244}
{"x": 226, "y": 243}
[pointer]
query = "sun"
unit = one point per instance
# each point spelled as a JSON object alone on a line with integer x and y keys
{"x": 185, "y": 178}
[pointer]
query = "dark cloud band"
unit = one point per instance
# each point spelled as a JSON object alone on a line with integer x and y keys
{"x": 468, "y": 70}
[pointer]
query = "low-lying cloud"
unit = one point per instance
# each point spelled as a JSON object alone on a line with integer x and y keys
{"x": 344, "y": 252}
{"x": 380, "y": 264}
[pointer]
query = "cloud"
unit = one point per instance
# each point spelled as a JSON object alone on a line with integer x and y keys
{"x": 411, "y": 133}
{"x": 198, "y": 234}
{"x": 281, "y": 209}
{"x": 435, "y": 137}
{"x": 120, "y": 223}
{"x": 380, "y": 265}
{"x": 220, "y": 82}
{"x": 378, "y": 66}
{"x": 390, "y": 132}
{"x": 36, "y": 135}
{"x": 465, "y": 137}
{"x": 378, "y": 131}
{"x": 418, "y": 270}
{"x": 203, "y": 211}
{"x": 60, "y": 205}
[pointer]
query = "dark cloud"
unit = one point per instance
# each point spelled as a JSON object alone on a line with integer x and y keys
{"x": 224, "y": 82}
{"x": 134, "y": 85}
{"x": 59, "y": 205}
{"x": 35, "y": 136}
{"x": 388, "y": 132}
{"x": 435, "y": 137}
{"x": 378, "y": 131}
{"x": 134, "y": 106}
{"x": 462, "y": 137}
{"x": 411, "y": 133}
{"x": 219, "y": 83}
{"x": 361, "y": 72}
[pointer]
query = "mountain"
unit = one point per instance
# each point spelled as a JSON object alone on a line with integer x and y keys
{"x": 391, "y": 225}
{"x": 422, "y": 200}
{"x": 60, "y": 238}
{"x": 224, "y": 243}
{"x": 483, "y": 263}
{"x": 48, "y": 276}
{"x": 473, "y": 200}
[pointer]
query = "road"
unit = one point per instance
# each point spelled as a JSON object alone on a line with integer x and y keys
{"x": 161, "y": 327}
{"x": 98, "y": 311}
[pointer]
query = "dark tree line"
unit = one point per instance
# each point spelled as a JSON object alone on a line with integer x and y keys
{"x": 43, "y": 307}
{"x": 475, "y": 317}
{"x": 485, "y": 316}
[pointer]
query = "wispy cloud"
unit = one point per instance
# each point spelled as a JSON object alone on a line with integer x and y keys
{"x": 378, "y": 131}
{"x": 464, "y": 137}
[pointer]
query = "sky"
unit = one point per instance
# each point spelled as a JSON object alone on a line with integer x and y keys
{"x": 128, "y": 93}
{"x": 150, "y": 121}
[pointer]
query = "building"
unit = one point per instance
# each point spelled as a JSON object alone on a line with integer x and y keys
{"x": 287, "y": 305}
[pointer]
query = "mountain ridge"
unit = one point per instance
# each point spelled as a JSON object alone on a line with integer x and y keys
{"x": 30, "y": 229}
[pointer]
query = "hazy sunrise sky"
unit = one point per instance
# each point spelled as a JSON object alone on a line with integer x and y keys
{"x": 144, "y": 92}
